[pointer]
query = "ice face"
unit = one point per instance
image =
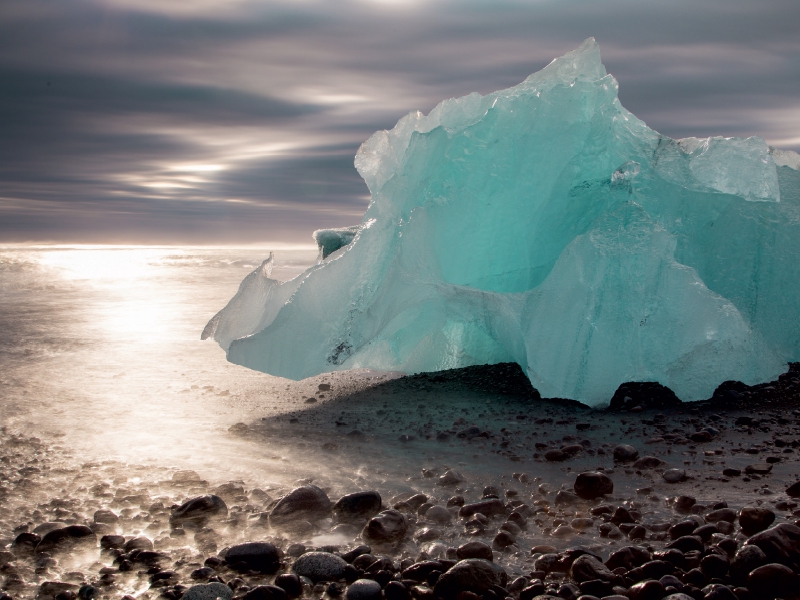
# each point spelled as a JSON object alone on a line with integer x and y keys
{"x": 545, "y": 224}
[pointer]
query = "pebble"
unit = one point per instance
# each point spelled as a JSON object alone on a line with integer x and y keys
{"x": 198, "y": 510}
{"x": 320, "y": 566}
{"x": 753, "y": 519}
{"x": 471, "y": 575}
{"x": 364, "y": 589}
{"x": 208, "y": 591}
{"x": 359, "y": 506}
{"x": 592, "y": 485}
{"x": 449, "y": 478}
{"x": 305, "y": 503}
{"x": 625, "y": 453}
{"x": 388, "y": 526}
{"x": 674, "y": 475}
{"x": 262, "y": 557}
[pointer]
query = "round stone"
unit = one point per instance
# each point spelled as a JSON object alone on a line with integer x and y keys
{"x": 592, "y": 485}
{"x": 674, "y": 475}
{"x": 320, "y": 566}
{"x": 364, "y": 589}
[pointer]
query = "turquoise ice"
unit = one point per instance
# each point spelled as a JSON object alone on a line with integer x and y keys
{"x": 546, "y": 225}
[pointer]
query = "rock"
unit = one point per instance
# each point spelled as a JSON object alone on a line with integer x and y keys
{"x": 320, "y": 566}
{"x": 780, "y": 544}
{"x": 731, "y": 472}
{"x": 421, "y": 570}
{"x": 50, "y": 589}
{"x": 745, "y": 560}
{"x": 555, "y": 455}
{"x": 109, "y": 542}
{"x": 187, "y": 477}
{"x": 450, "y": 477}
{"x": 625, "y": 453}
{"x": 388, "y": 526}
{"x": 684, "y": 503}
{"x": 648, "y": 462}
{"x": 489, "y": 507}
{"x": 503, "y": 540}
{"x": 208, "y": 591}
{"x": 682, "y": 528}
{"x": 793, "y": 490}
{"x": 646, "y": 590}
{"x": 564, "y": 498}
{"x": 758, "y": 469}
{"x": 772, "y": 580}
{"x": 687, "y": 543}
{"x": 427, "y": 534}
{"x": 721, "y": 514}
{"x": 673, "y": 475}
{"x": 137, "y": 543}
{"x": 593, "y": 484}
{"x": 587, "y": 568}
{"x": 628, "y": 557}
{"x": 471, "y": 575}
{"x": 262, "y": 557}
{"x": 305, "y": 503}
{"x": 105, "y": 516}
{"x": 359, "y": 506}
{"x": 714, "y": 566}
{"x": 645, "y": 394}
{"x": 753, "y": 519}
{"x": 364, "y": 589}
{"x": 198, "y": 510}
{"x": 395, "y": 590}
{"x": 290, "y": 583}
{"x": 438, "y": 514}
{"x": 621, "y": 515}
{"x": 474, "y": 550}
{"x": 67, "y": 538}
{"x": 266, "y": 592}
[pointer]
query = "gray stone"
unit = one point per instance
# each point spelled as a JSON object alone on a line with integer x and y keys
{"x": 438, "y": 514}
{"x": 320, "y": 566}
{"x": 473, "y": 575}
{"x": 364, "y": 589}
{"x": 208, "y": 591}
{"x": 450, "y": 477}
{"x": 588, "y": 568}
{"x": 673, "y": 475}
{"x": 262, "y": 557}
{"x": 388, "y": 526}
{"x": 648, "y": 462}
{"x": 625, "y": 453}
{"x": 306, "y": 503}
{"x": 198, "y": 510}
{"x": 359, "y": 506}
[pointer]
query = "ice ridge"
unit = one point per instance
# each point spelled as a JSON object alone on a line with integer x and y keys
{"x": 545, "y": 224}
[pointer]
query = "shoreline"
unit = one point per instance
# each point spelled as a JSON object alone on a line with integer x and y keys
{"x": 398, "y": 438}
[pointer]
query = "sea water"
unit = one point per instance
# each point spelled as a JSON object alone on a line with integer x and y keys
{"x": 99, "y": 348}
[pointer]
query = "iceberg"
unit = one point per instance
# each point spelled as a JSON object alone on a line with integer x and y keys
{"x": 546, "y": 225}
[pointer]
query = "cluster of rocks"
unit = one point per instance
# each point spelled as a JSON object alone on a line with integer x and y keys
{"x": 414, "y": 547}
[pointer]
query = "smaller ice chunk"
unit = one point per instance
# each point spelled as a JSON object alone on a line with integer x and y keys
{"x": 739, "y": 166}
{"x": 785, "y": 158}
{"x": 253, "y": 308}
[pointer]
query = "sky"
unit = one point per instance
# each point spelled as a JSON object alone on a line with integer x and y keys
{"x": 235, "y": 122}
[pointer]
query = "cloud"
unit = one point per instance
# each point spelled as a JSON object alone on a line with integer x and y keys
{"x": 197, "y": 121}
